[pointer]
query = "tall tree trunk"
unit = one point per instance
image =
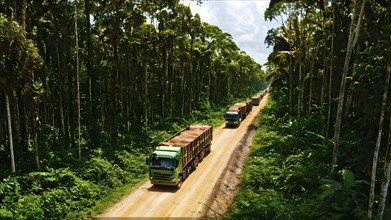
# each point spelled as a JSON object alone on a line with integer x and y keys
{"x": 290, "y": 78}
{"x": 77, "y": 85}
{"x": 165, "y": 79}
{"x": 23, "y": 17}
{"x": 145, "y": 67}
{"x": 91, "y": 114}
{"x": 324, "y": 84}
{"x": 331, "y": 73}
{"x": 386, "y": 177}
{"x": 114, "y": 116}
{"x": 310, "y": 89}
{"x": 353, "y": 36}
{"x": 300, "y": 83}
{"x": 60, "y": 77}
{"x": 182, "y": 72}
{"x": 130, "y": 95}
{"x": 387, "y": 170}
{"x": 11, "y": 142}
{"x": 35, "y": 140}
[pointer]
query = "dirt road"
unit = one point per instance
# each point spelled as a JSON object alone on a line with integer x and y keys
{"x": 194, "y": 195}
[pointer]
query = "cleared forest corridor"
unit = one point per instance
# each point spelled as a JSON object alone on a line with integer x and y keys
{"x": 190, "y": 199}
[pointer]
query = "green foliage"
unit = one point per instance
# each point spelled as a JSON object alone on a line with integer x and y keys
{"x": 282, "y": 175}
{"x": 18, "y": 56}
{"x": 263, "y": 204}
{"x": 65, "y": 193}
{"x": 342, "y": 199}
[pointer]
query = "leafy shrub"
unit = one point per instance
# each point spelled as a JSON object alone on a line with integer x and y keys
{"x": 56, "y": 203}
{"x": 29, "y": 207}
{"x": 9, "y": 187}
{"x": 133, "y": 165}
{"x": 9, "y": 195}
{"x": 341, "y": 199}
{"x": 266, "y": 204}
{"x": 99, "y": 170}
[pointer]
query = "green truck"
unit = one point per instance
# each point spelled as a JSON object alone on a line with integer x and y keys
{"x": 175, "y": 158}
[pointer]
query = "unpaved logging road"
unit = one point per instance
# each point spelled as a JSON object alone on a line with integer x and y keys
{"x": 196, "y": 193}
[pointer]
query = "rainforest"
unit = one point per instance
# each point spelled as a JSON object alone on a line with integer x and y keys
{"x": 90, "y": 87}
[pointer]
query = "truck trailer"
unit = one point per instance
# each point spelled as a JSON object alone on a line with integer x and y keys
{"x": 249, "y": 106}
{"x": 175, "y": 158}
{"x": 235, "y": 114}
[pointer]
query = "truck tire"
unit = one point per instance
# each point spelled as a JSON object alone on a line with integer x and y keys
{"x": 196, "y": 161}
{"x": 179, "y": 185}
{"x": 184, "y": 174}
{"x": 207, "y": 150}
{"x": 202, "y": 155}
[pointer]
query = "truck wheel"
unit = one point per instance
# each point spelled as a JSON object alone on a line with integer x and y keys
{"x": 179, "y": 185}
{"x": 207, "y": 150}
{"x": 196, "y": 162}
{"x": 184, "y": 174}
{"x": 202, "y": 155}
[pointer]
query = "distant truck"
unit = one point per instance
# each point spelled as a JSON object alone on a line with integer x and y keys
{"x": 235, "y": 114}
{"x": 256, "y": 100}
{"x": 175, "y": 158}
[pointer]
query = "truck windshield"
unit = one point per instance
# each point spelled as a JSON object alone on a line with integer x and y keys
{"x": 231, "y": 116}
{"x": 163, "y": 163}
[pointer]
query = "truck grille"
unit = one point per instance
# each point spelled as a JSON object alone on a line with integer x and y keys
{"x": 162, "y": 176}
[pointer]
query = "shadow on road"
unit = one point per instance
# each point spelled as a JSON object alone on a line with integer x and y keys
{"x": 159, "y": 188}
{"x": 231, "y": 127}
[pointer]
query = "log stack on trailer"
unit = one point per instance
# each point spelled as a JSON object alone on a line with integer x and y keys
{"x": 194, "y": 141}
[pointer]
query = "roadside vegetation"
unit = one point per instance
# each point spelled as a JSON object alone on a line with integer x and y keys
{"x": 323, "y": 146}
{"x": 288, "y": 173}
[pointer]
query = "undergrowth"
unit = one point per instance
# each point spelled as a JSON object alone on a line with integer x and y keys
{"x": 283, "y": 173}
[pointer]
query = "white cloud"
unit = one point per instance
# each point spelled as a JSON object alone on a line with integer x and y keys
{"x": 244, "y": 20}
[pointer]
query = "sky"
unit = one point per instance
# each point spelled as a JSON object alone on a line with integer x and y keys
{"x": 243, "y": 19}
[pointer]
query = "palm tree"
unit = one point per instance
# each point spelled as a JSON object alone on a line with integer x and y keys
{"x": 18, "y": 61}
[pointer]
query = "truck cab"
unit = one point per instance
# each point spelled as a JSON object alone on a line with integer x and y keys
{"x": 232, "y": 118}
{"x": 255, "y": 100}
{"x": 165, "y": 166}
